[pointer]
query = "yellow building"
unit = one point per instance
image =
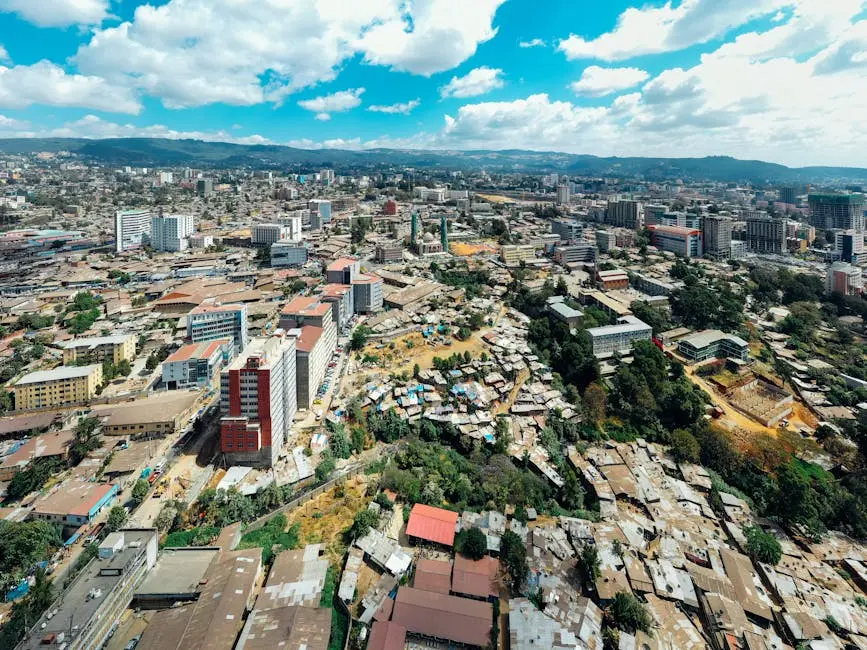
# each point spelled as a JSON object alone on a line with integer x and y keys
{"x": 514, "y": 255}
{"x": 98, "y": 349}
{"x": 64, "y": 386}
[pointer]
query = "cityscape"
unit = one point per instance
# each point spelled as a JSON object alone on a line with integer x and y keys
{"x": 487, "y": 389}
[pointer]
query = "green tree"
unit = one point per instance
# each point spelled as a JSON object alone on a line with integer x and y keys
{"x": 684, "y": 446}
{"x": 762, "y": 546}
{"x": 140, "y": 490}
{"x": 85, "y": 440}
{"x": 325, "y": 467}
{"x": 588, "y": 563}
{"x": 473, "y": 544}
{"x": 359, "y": 337}
{"x": 595, "y": 403}
{"x": 117, "y": 517}
{"x": 123, "y": 368}
{"x": 513, "y": 555}
{"x": 362, "y": 523}
{"x": 628, "y": 614}
{"x": 338, "y": 441}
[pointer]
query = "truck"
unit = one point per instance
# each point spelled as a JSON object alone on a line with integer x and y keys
{"x": 146, "y": 472}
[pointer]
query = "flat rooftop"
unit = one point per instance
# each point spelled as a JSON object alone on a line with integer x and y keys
{"x": 160, "y": 408}
{"x": 178, "y": 573}
{"x": 73, "y": 498}
{"x": 58, "y": 374}
{"x": 709, "y": 337}
{"x": 94, "y": 342}
{"x": 296, "y": 578}
{"x": 75, "y": 608}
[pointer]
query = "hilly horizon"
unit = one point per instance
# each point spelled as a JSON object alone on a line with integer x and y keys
{"x": 223, "y": 155}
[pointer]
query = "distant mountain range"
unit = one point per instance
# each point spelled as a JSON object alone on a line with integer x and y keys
{"x": 197, "y": 153}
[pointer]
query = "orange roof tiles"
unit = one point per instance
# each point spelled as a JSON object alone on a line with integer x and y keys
{"x": 432, "y": 524}
{"x": 310, "y": 335}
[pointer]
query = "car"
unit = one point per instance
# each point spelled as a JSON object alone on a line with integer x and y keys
{"x": 133, "y": 642}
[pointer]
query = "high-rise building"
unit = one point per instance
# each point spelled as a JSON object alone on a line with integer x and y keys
{"x": 844, "y": 278}
{"x": 322, "y": 208}
{"x": 367, "y": 294}
{"x": 625, "y": 214}
{"x": 788, "y": 195}
{"x": 765, "y": 234}
{"x": 568, "y": 229}
{"x": 837, "y": 211}
{"x": 258, "y": 401}
{"x": 205, "y": 186}
{"x": 389, "y": 208}
{"x": 326, "y": 176}
{"x": 686, "y": 242}
{"x": 563, "y": 194}
{"x": 266, "y": 234}
{"x": 289, "y": 253}
{"x": 850, "y": 245}
{"x": 315, "y": 346}
{"x": 605, "y": 240}
{"x": 444, "y": 232}
{"x": 389, "y": 252}
{"x": 171, "y": 233}
{"x": 343, "y": 270}
{"x": 653, "y": 214}
{"x": 413, "y": 232}
{"x": 717, "y": 233}
{"x": 293, "y": 224}
{"x": 580, "y": 252}
{"x": 210, "y": 321}
{"x": 130, "y": 229}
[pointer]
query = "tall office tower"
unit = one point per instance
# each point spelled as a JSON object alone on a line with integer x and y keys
{"x": 850, "y": 245}
{"x": 563, "y": 194}
{"x": 717, "y": 233}
{"x": 413, "y": 232}
{"x": 342, "y": 271}
{"x": 326, "y": 176}
{"x": 845, "y": 278}
{"x": 765, "y": 234}
{"x": 568, "y": 229}
{"x": 653, "y": 214}
{"x": 625, "y": 214}
{"x": 205, "y": 186}
{"x": 210, "y": 321}
{"x": 322, "y": 208}
{"x": 837, "y": 211}
{"x": 171, "y": 233}
{"x": 258, "y": 401}
{"x": 686, "y": 242}
{"x": 788, "y": 195}
{"x": 265, "y": 234}
{"x": 444, "y": 232}
{"x": 292, "y": 223}
{"x": 130, "y": 226}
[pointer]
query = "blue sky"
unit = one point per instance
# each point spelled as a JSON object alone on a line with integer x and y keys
{"x": 781, "y": 80}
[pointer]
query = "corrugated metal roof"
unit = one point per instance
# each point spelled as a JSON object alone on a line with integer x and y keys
{"x": 432, "y": 524}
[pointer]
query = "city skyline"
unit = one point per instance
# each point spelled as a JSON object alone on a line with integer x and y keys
{"x": 776, "y": 80}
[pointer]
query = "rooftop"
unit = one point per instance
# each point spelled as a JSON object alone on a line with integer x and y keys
{"x": 58, "y": 374}
{"x": 475, "y": 577}
{"x": 624, "y": 324}
{"x": 310, "y": 335}
{"x": 178, "y": 573}
{"x": 94, "y": 342}
{"x": 293, "y": 627}
{"x": 444, "y": 617}
{"x": 341, "y": 263}
{"x": 432, "y": 524}
{"x": 201, "y": 350}
{"x": 73, "y": 498}
{"x": 296, "y": 578}
{"x": 159, "y": 408}
{"x": 709, "y": 337}
{"x": 433, "y": 575}
{"x": 48, "y": 444}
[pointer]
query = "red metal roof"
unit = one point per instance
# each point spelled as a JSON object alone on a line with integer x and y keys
{"x": 433, "y": 575}
{"x": 475, "y": 577}
{"x": 341, "y": 263}
{"x": 432, "y": 524}
{"x": 387, "y": 636}
{"x": 444, "y": 617}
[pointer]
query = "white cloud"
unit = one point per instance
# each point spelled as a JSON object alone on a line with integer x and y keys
{"x": 338, "y": 102}
{"x": 47, "y": 83}
{"x": 536, "y": 42}
{"x": 196, "y": 52}
{"x": 58, "y": 13}
{"x": 598, "y": 82}
{"x": 429, "y": 36}
{"x": 4, "y": 55}
{"x": 652, "y": 30}
{"x": 93, "y": 127}
{"x": 476, "y": 82}
{"x": 403, "y": 108}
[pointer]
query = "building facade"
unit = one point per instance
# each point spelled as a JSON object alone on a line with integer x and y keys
{"x": 850, "y": 245}
{"x": 64, "y": 386}
{"x": 321, "y": 208}
{"x": 367, "y": 294}
{"x": 289, "y": 254}
{"x": 625, "y": 214}
{"x": 513, "y": 255}
{"x": 210, "y": 321}
{"x": 717, "y": 236}
{"x": 713, "y": 344}
{"x": 315, "y": 346}
{"x": 388, "y": 253}
{"x": 568, "y": 230}
{"x": 340, "y": 297}
{"x": 766, "y": 234}
{"x": 131, "y": 228}
{"x": 117, "y": 348}
{"x": 171, "y": 233}
{"x": 267, "y": 234}
{"x": 258, "y": 401}
{"x": 686, "y": 242}
{"x": 619, "y": 338}
{"x": 342, "y": 271}
{"x": 844, "y": 278}
{"x": 196, "y": 365}
{"x": 564, "y": 195}
{"x": 837, "y": 211}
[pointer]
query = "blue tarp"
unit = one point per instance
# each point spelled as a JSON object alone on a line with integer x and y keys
{"x": 19, "y": 592}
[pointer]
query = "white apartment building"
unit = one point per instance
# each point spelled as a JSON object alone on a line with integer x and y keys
{"x": 171, "y": 233}
{"x": 292, "y": 223}
{"x": 619, "y": 338}
{"x": 130, "y": 228}
{"x": 315, "y": 345}
{"x": 266, "y": 234}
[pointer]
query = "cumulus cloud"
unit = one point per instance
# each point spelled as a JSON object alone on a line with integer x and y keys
{"x": 196, "y": 52}
{"x": 58, "y": 13}
{"x": 338, "y": 102}
{"x": 93, "y": 127}
{"x": 536, "y": 42}
{"x": 47, "y": 83}
{"x": 598, "y": 82}
{"x": 476, "y": 82}
{"x": 651, "y": 30}
{"x": 4, "y": 55}
{"x": 404, "y": 108}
